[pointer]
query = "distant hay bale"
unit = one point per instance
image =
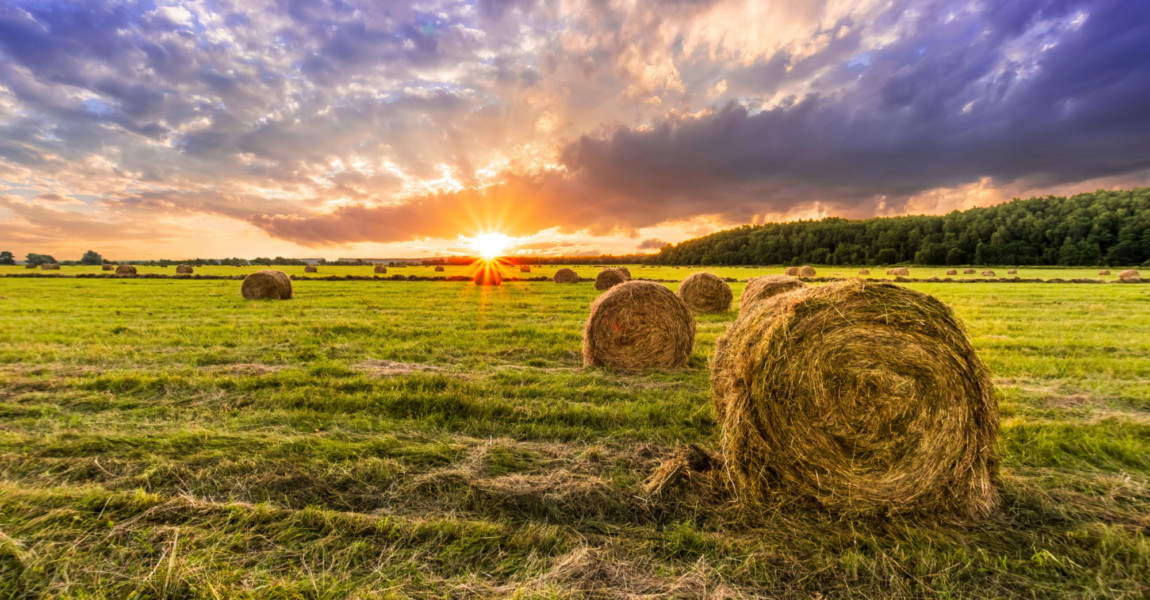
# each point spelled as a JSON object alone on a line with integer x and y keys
{"x": 311, "y": 269}
{"x": 107, "y": 268}
{"x": 866, "y": 398}
{"x": 439, "y": 268}
{"x": 951, "y": 272}
{"x": 566, "y": 276}
{"x": 1012, "y": 272}
{"x": 792, "y": 271}
{"x": 267, "y": 285}
{"x": 625, "y": 271}
{"x": 968, "y": 272}
{"x": 706, "y": 293}
{"x": 380, "y": 269}
{"x": 1129, "y": 274}
{"x": 899, "y": 272}
{"x": 185, "y": 270}
{"x": 805, "y": 271}
{"x": 50, "y": 267}
{"x": 864, "y": 271}
{"x": 1104, "y": 272}
{"x": 488, "y": 274}
{"x": 988, "y": 273}
{"x": 29, "y": 266}
{"x": 765, "y": 287}
{"x": 125, "y": 270}
{"x": 524, "y": 269}
{"x": 608, "y": 278}
{"x": 636, "y": 326}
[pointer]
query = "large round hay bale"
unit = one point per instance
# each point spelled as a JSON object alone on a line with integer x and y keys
{"x": 107, "y": 268}
{"x": 380, "y": 269}
{"x": 706, "y": 293}
{"x": 805, "y": 271}
{"x": 987, "y": 273}
{"x": 1104, "y": 272}
{"x": 311, "y": 269}
{"x": 951, "y": 272}
{"x": 125, "y": 270}
{"x": 524, "y": 269}
{"x": 609, "y": 278}
{"x": 767, "y": 286}
{"x": 636, "y": 326}
{"x": 866, "y": 398}
{"x": 50, "y": 267}
{"x": 488, "y": 274}
{"x": 1129, "y": 274}
{"x": 566, "y": 276}
{"x": 864, "y": 272}
{"x": 439, "y": 268}
{"x": 29, "y": 266}
{"x": 792, "y": 271}
{"x": 185, "y": 270}
{"x": 968, "y": 271}
{"x": 267, "y": 285}
{"x": 899, "y": 272}
{"x": 625, "y": 271}
{"x": 1012, "y": 271}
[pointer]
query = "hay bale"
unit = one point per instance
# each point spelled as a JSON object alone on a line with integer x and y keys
{"x": 439, "y": 268}
{"x": 636, "y": 326}
{"x": 625, "y": 271}
{"x": 988, "y": 273}
{"x": 1129, "y": 274}
{"x": 107, "y": 268}
{"x": 951, "y": 272}
{"x": 566, "y": 276}
{"x": 1104, "y": 272}
{"x": 899, "y": 272}
{"x": 791, "y": 271}
{"x": 311, "y": 269}
{"x": 765, "y": 287}
{"x": 1012, "y": 271}
{"x": 524, "y": 269}
{"x": 267, "y": 285}
{"x": 805, "y": 271}
{"x": 125, "y": 270}
{"x": 187, "y": 270}
{"x": 380, "y": 269}
{"x": 968, "y": 272}
{"x": 50, "y": 267}
{"x": 866, "y": 398}
{"x": 864, "y": 272}
{"x": 488, "y": 274}
{"x": 29, "y": 266}
{"x": 706, "y": 293}
{"x": 609, "y": 278}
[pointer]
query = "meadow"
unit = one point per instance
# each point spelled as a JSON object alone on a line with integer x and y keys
{"x": 164, "y": 438}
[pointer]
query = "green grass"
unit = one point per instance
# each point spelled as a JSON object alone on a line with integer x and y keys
{"x": 166, "y": 439}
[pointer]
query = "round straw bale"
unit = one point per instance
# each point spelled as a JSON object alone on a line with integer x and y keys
{"x": 488, "y": 274}
{"x": 50, "y": 267}
{"x": 107, "y": 268}
{"x": 267, "y": 285}
{"x": 184, "y": 270}
{"x": 805, "y": 271}
{"x": 439, "y": 268}
{"x": 524, "y": 269}
{"x": 900, "y": 271}
{"x": 311, "y": 269}
{"x": 380, "y": 269}
{"x": 987, "y": 273}
{"x": 566, "y": 276}
{"x": 866, "y": 398}
{"x": 767, "y": 286}
{"x": 951, "y": 272}
{"x": 968, "y": 271}
{"x": 29, "y": 266}
{"x": 1104, "y": 272}
{"x": 636, "y": 326}
{"x": 1129, "y": 274}
{"x": 864, "y": 272}
{"x": 706, "y": 293}
{"x": 625, "y": 271}
{"x": 1012, "y": 272}
{"x": 608, "y": 278}
{"x": 792, "y": 271}
{"x": 125, "y": 270}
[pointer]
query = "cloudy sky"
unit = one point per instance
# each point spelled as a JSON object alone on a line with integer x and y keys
{"x": 385, "y": 128}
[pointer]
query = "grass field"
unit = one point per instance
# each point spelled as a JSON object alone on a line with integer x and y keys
{"x": 166, "y": 439}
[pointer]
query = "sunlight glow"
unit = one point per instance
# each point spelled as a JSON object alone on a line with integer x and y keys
{"x": 490, "y": 245}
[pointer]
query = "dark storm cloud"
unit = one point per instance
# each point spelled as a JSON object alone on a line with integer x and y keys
{"x": 652, "y": 244}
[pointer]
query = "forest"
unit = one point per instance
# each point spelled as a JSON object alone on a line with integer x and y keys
{"x": 1100, "y": 228}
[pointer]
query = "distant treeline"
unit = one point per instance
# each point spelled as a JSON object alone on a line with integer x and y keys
{"x": 1100, "y": 228}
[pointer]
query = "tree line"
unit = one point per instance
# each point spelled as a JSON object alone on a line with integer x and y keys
{"x": 1109, "y": 228}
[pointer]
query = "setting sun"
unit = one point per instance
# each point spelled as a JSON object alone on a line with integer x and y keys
{"x": 490, "y": 245}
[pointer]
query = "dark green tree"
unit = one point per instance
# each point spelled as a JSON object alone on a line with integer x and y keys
{"x": 7, "y": 258}
{"x": 91, "y": 257}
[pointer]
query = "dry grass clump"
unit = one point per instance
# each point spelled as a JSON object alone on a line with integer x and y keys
{"x": 706, "y": 293}
{"x": 767, "y": 286}
{"x": 636, "y": 326}
{"x": 625, "y": 271}
{"x": 792, "y": 271}
{"x": 1012, "y": 271}
{"x": 1104, "y": 272}
{"x": 439, "y": 268}
{"x": 488, "y": 274}
{"x": 988, "y": 273}
{"x": 267, "y": 285}
{"x": 184, "y": 270}
{"x": 107, "y": 268}
{"x": 900, "y": 271}
{"x": 1129, "y": 274}
{"x": 968, "y": 272}
{"x": 864, "y": 271}
{"x": 609, "y": 278}
{"x": 380, "y": 269}
{"x": 951, "y": 272}
{"x": 49, "y": 267}
{"x": 125, "y": 270}
{"x": 566, "y": 276}
{"x": 524, "y": 269}
{"x": 866, "y": 398}
{"x": 311, "y": 269}
{"x": 805, "y": 271}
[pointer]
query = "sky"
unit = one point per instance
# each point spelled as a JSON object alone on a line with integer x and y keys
{"x": 377, "y": 128}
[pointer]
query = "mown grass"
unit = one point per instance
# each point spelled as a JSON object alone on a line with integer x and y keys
{"x": 166, "y": 439}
